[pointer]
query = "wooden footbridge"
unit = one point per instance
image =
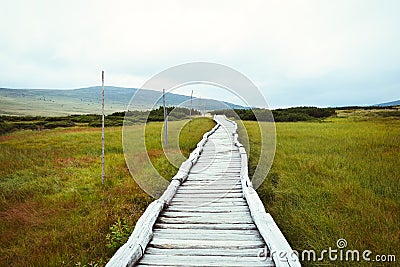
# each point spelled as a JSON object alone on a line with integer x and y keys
{"x": 209, "y": 215}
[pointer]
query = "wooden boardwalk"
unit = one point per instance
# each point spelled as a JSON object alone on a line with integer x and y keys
{"x": 213, "y": 216}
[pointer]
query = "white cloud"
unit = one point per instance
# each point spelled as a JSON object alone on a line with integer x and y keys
{"x": 289, "y": 48}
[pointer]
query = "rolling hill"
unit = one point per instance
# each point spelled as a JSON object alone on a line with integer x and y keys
{"x": 388, "y": 104}
{"x": 53, "y": 102}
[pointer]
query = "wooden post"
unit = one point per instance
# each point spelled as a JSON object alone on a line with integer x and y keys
{"x": 102, "y": 128}
{"x": 190, "y": 111}
{"x": 165, "y": 121}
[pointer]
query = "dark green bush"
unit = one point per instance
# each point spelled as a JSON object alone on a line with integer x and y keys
{"x": 279, "y": 115}
{"x": 56, "y": 124}
{"x": 5, "y": 128}
{"x": 86, "y": 118}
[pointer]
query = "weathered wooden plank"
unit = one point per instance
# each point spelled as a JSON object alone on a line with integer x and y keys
{"x": 214, "y": 193}
{"x": 216, "y": 177}
{"x": 188, "y": 261}
{"x": 204, "y": 236}
{"x": 208, "y": 192}
{"x": 208, "y": 211}
{"x": 221, "y": 172}
{"x": 212, "y": 201}
{"x": 216, "y": 163}
{"x": 212, "y": 179}
{"x": 213, "y": 157}
{"x": 209, "y": 204}
{"x": 218, "y": 201}
{"x": 201, "y": 209}
{"x": 227, "y": 155}
{"x": 214, "y": 182}
{"x": 199, "y": 232}
{"x": 205, "y": 197}
{"x": 206, "y": 220}
{"x": 230, "y": 179}
{"x": 177, "y": 214}
{"x": 229, "y": 188}
{"x": 210, "y": 158}
{"x": 228, "y": 167}
{"x": 195, "y": 185}
{"x": 213, "y": 163}
{"x": 204, "y": 243}
{"x": 211, "y": 168}
{"x": 212, "y": 187}
{"x": 252, "y": 252}
{"x": 211, "y": 190}
{"x": 219, "y": 226}
{"x": 203, "y": 217}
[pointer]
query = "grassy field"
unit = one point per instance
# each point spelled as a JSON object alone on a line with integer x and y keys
{"x": 53, "y": 209}
{"x": 336, "y": 179}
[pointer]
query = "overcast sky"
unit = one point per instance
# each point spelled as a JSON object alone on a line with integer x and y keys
{"x": 324, "y": 53}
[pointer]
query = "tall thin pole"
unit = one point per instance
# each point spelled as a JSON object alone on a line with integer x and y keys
{"x": 165, "y": 122}
{"x": 190, "y": 111}
{"x": 102, "y": 128}
{"x": 200, "y": 103}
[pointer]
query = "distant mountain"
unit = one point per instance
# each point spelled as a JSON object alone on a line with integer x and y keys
{"x": 387, "y": 104}
{"x": 51, "y": 102}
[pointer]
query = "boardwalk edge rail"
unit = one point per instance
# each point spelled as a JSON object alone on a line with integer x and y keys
{"x": 281, "y": 252}
{"x": 133, "y": 250}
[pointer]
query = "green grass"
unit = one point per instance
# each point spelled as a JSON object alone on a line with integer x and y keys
{"x": 53, "y": 209}
{"x": 329, "y": 180}
{"x": 335, "y": 179}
